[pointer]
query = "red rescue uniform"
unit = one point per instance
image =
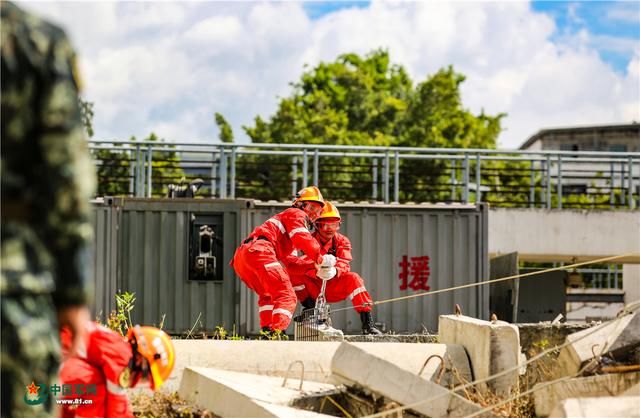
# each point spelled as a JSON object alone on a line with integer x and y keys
{"x": 99, "y": 364}
{"x": 257, "y": 262}
{"x": 346, "y": 284}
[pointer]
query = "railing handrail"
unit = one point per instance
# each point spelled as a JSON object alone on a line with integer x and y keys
{"x": 345, "y": 148}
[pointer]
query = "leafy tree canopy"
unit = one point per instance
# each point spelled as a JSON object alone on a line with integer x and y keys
{"x": 370, "y": 101}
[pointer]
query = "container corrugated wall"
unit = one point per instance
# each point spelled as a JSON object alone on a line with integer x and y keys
{"x": 142, "y": 246}
{"x": 105, "y": 230}
{"x": 454, "y": 237}
{"x": 153, "y": 262}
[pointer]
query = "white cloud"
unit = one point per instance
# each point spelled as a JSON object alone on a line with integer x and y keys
{"x": 167, "y": 67}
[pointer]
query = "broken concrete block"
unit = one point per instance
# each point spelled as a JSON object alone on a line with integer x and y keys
{"x": 492, "y": 348}
{"x": 360, "y": 365}
{"x": 618, "y": 337}
{"x": 547, "y": 397}
{"x": 233, "y": 394}
{"x": 609, "y": 407}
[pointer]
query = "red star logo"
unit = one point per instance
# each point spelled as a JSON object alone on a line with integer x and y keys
{"x": 33, "y": 389}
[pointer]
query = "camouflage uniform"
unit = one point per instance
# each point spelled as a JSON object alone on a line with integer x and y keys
{"x": 47, "y": 181}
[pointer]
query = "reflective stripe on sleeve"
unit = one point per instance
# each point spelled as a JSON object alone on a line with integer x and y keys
{"x": 115, "y": 389}
{"x": 357, "y": 292}
{"x": 265, "y": 308}
{"x": 278, "y": 224}
{"x": 282, "y": 312}
{"x": 298, "y": 288}
{"x": 273, "y": 265}
{"x": 298, "y": 231}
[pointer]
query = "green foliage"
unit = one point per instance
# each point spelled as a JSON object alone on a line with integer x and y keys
{"x": 125, "y": 302}
{"x": 226, "y": 132}
{"x": 275, "y": 335}
{"x": 365, "y": 101}
{"x": 86, "y": 115}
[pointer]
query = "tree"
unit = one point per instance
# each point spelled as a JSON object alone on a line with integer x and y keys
{"x": 86, "y": 115}
{"x": 225, "y": 131}
{"x": 367, "y": 101}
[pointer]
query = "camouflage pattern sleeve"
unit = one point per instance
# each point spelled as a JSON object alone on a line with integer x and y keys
{"x": 47, "y": 171}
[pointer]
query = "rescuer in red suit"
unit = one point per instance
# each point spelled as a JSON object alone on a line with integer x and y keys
{"x": 108, "y": 363}
{"x": 258, "y": 260}
{"x": 342, "y": 282}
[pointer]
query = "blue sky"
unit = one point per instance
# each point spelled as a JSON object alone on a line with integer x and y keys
{"x": 613, "y": 19}
{"x": 166, "y": 67}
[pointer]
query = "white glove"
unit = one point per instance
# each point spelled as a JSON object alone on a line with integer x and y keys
{"x": 326, "y": 273}
{"x": 328, "y": 260}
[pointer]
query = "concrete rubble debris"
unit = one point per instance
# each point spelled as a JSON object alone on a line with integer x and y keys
{"x": 609, "y": 407}
{"x": 361, "y": 365}
{"x": 617, "y": 339}
{"x": 547, "y": 397}
{"x": 492, "y": 348}
{"x": 234, "y": 394}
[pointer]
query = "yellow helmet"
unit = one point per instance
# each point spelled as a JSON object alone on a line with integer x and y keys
{"x": 309, "y": 194}
{"x": 330, "y": 211}
{"x": 156, "y": 347}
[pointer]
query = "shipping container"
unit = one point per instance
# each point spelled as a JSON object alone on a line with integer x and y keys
{"x": 174, "y": 254}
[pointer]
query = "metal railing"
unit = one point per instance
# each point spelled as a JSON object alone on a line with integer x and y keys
{"x": 514, "y": 178}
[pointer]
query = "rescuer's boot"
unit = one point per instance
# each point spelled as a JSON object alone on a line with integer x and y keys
{"x": 368, "y": 328}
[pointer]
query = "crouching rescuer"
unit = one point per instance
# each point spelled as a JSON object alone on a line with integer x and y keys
{"x": 342, "y": 283}
{"x": 107, "y": 363}
{"x": 258, "y": 260}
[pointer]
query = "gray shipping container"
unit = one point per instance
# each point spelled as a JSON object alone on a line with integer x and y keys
{"x": 394, "y": 246}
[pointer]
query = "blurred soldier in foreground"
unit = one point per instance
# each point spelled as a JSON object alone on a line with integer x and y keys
{"x": 47, "y": 181}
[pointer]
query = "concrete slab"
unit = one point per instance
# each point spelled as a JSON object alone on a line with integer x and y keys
{"x": 233, "y": 394}
{"x": 492, "y": 348}
{"x": 272, "y": 358}
{"x": 363, "y": 365}
{"x": 609, "y": 407}
{"x": 615, "y": 337}
{"x": 632, "y": 391}
{"x": 546, "y": 398}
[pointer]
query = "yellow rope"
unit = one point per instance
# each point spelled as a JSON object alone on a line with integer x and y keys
{"x": 501, "y": 279}
{"x": 344, "y": 411}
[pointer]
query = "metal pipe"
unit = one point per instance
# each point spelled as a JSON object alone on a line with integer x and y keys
{"x": 559, "y": 180}
{"x": 223, "y": 174}
{"x": 453, "y": 180}
{"x": 305, "y": 168}
{"x": 478, "y": 180}
{"x": 396, "y": 178}
{"x": 630, "y": 183}
{"x": 385, "y": 191}
{"x": 548, "y": 185}
{"x": 380, "y": 149}
{"x": 232, "y": 180}
{"x": 374, "y": 175}
{"x": 465, "y": 194}
{"x": 214, "y": 174}
{"x": 149, "y": 171}
{"x": 294, "y": 176}
{"x": 532, "y": 182}
{"x": 611, "y": 186}
{"x": 316, "y": 157}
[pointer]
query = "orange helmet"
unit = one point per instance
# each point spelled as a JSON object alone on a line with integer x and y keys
{"x": 329, "y": 211}
{"x": 155, "y": 346}
{"x": 309, "y": 194}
